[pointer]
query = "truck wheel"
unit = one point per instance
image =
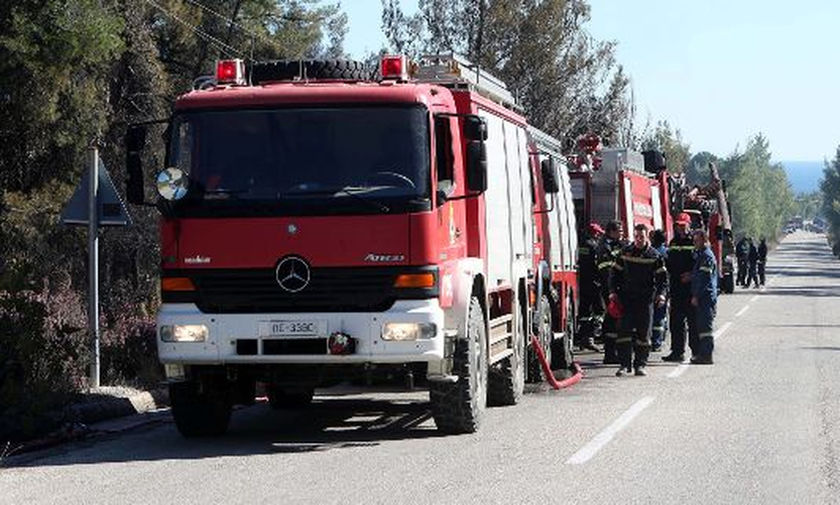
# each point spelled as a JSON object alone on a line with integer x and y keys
{"x": 546, "y": 338}
{"x": 458, "y": 407}
{"x": 506, "y": 382}
{"x": 279, "y": 398}
{"x": 728, "y": 284}
{"x": 562, "y": 354}
{"x": 199, "y": 414}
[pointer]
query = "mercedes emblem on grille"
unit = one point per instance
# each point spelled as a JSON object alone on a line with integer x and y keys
{"x": 293, "y": 274}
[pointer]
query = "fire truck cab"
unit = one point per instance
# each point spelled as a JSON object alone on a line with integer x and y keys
{"x": 317, "y": 224}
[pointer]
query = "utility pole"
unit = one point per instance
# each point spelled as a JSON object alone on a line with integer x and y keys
{"x": 93, "y": 264}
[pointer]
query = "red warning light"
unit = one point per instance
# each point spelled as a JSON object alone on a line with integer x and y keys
{"x": 394, "y": 67}
{"x": 230, "y": 72}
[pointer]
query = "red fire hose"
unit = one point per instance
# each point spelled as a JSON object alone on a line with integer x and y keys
{"x": 546, "y": 366}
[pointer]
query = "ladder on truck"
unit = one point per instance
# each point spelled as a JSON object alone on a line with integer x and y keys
{"x": 457, "y": 72}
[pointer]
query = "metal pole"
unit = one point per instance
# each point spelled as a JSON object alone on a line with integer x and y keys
{"x": 93, "y": 265}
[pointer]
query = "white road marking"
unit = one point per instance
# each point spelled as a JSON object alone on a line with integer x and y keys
{"x": 741, "y": 312}
{"x": 678, "y": 371}
{"x": 601, "y": 439}
{"x": 722, "y": 329}
{"x": 754, "y": 298}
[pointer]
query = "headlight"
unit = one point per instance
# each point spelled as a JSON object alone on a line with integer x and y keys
{"x": 408, "y": 331}
{"x": 172, "y": 184}
{"x": 183, "y": 333}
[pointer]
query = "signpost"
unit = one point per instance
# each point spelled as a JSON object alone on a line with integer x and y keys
{"x": 95, "y": 203}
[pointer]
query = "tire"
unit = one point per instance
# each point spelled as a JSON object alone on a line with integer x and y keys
{"x": 728, "y": 284}
{"x": 458, "y": 407}
{"x": 562, "y": 354}
{"x": 279, "y": 398}
{"x": 199, "y": 414}
{"x": 348, "y": 70}
{"x": 506, "y": 379}
{"x": 546, "y": 338}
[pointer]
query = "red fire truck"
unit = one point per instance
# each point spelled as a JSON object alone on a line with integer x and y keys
{"x": 318, "y": 224}
{"x": 613, "y": 184}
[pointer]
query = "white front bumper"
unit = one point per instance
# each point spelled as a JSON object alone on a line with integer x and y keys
{"x": 366, "y": 328}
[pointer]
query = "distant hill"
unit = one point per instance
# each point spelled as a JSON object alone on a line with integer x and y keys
{"x": 804, "y": 175}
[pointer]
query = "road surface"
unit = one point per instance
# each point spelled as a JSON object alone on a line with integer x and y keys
{"x": 761, "y": 426}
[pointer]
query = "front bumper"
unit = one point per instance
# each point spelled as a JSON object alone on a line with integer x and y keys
{"x": 366, "y": 328}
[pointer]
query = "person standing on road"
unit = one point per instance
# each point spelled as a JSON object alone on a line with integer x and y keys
{"x": 591, "y": 307}
{"x": 762, "y": 259}
{"x": 638, "y": 282}
{"x": 660, "y": 312}
{"x": 704, "y": 292}
{"x": 742, "y": 250}
{"x": 753, "y": 260}
{"x": 680, "y": 262}
{"x": 610, "y": 247}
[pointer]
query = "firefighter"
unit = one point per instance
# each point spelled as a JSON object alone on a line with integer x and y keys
{"x": 660, "y": 313}
{"x": 762, "y": 259}
{"x": 591, "y": 308}
{"x": 752, "y": 258}
{"x": 704, "y": 299}
{"x": 609, "y": 248}
{"x": 742, "y": 250}
{"x": 638, "y": 282}
{"x": 680, "y": 261}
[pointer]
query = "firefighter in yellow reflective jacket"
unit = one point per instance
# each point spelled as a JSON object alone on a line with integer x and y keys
{"x": 609, "y": 249}
{"x": 704, "y": 290}
{"x": 638, "y": 281}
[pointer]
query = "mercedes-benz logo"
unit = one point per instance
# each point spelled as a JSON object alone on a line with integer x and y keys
{"x": 293, "y": 274}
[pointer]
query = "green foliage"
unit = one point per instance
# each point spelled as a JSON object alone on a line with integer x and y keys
{"x": 567, "y": 82}
{"x": 759, "y": 192}
{"x": 830, "y": 189}
{"x": 807, "y": 205}
{"x": 671, "y": 144}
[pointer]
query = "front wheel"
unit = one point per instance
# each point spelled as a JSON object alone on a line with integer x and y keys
{"x": 728, "y": 284}
{"x": 562, "y": 354}
{"x": 200, "y": 413}
{"x": 545, "y": 330}
{"x": 458, "y": 407}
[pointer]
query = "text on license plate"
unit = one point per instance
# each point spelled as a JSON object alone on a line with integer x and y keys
{"x": 292, "y": 328}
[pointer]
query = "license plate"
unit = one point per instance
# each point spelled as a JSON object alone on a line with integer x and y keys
{"x": 293, "y": 328}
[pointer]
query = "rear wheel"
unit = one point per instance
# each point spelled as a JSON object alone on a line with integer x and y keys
{"x": 546, "y": 336}
{"x": 507, "y": 378}
{"x": 200, "y": 413}
{"x": 458, "y": 407}
{"x": 562, "y": 354}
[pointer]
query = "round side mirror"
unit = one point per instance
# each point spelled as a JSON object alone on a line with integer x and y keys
{"x": 172, "y": 184}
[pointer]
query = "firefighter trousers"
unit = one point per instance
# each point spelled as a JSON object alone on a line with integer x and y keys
{"x": 610, "y": 332}
{"x": 742, "y": 271}
{"x": 634, "y": 334}
{"x": 702, "y": 335}
{"x": 660, "y": 321}
{"x": 591, "y": 317}
{"x": 682, "y": 316}
{"x": 760, "y": 267}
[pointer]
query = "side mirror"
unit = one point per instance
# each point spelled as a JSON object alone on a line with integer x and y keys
{"x": 549, "y": 176}
{"x": 475, "y": 128}
{"x": 477, "y": 166}
{"x": 135, "y": 141}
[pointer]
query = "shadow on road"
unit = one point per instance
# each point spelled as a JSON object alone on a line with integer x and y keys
{"x": 325, "y": 425}
{"x": 820, "y": 348}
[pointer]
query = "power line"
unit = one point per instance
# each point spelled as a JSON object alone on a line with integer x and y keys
{"x": 228, "y": 49}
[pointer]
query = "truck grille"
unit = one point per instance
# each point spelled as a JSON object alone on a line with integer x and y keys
{"x": 364, "y": 289}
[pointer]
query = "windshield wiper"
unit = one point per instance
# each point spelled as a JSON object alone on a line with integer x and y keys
{"x": 226, "y": 192}
{"x": 345, "y": 191}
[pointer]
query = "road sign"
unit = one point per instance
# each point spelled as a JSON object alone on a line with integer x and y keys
{"x": 111, "y": 211}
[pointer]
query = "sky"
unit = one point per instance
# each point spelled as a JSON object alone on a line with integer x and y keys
{"x": 720, "y": 71}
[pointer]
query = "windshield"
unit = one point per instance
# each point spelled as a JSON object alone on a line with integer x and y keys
{"x": 297, "y": 158}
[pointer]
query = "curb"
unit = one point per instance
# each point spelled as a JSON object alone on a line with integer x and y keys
{"x": 79, "y": 417}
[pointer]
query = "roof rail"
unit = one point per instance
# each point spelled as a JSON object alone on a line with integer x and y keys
{"x": 455, "y": 71}
{"x": 546, "y": 143}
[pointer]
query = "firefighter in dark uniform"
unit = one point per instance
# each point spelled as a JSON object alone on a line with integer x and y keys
{"x": 680, "y": 262}
{"x": 608, "y": 250}
{"x": 591, "y": 306}
{"x": 638, "y": 282}
{"x": 704, "y": 292}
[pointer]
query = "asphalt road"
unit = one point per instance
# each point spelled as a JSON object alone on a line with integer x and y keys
{"x": 760, "y": 426}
